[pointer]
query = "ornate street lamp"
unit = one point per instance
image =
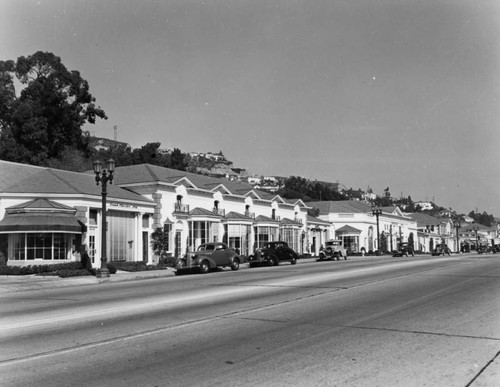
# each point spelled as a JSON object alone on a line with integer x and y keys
{"x": 103, "y": 176}
{"x": 377, "y": 211}
{"x": 456, "y": 224}
{"x": 476, "y": 229}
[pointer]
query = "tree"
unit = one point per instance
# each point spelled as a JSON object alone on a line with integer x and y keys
{"x": 160, "y": 244}
{"x": 178, "y": 160}
{"x": 411, "y": 242}
{"x": 49, "y": 113}
{"x": 148, "y": 154}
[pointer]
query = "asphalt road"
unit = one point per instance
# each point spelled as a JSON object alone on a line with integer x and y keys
{"x": 371, "y": 322}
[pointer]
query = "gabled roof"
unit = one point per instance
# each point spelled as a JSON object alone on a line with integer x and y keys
{"x": 237, "y": 216}
{"x": 185, "y": 182}
{"x": 198, "y": 211}
{"x": 394, "y": 210}
{"x": 253, "y": 194}
{"x": 287, "y": 221}
{"x": 265, "y": 219}
{"x": 18, "y": 178}
{"x": 348, "y": 230}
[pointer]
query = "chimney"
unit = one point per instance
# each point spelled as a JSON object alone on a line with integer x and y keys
{"x": 116, "y": 132}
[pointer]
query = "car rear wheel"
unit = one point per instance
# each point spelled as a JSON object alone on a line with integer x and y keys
{"x": 235, "y": 265}
{"x": 204, "y": 267}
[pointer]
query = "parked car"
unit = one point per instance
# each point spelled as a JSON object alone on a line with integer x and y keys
{"x": 494, "y": 249}
{"x": 272, "y": 254}
{"x": 404, "y": 249}
{"x": 209, "y": 256}
{"x": 333, "y": 250}
{"x": 441, "y": 249}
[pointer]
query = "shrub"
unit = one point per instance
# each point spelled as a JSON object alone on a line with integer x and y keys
{"x": 112, "y": 268}
{"x": 55, "y": 269}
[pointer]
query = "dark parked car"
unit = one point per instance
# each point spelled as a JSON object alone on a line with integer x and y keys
{"x": 441, "y": 249}
{"x": 209, "y": 256}
{"x": 272, "y": 253}
{"x": 494, "y": 249}
{"x": 404, "y": 249}
{"x": 333, "y": 250}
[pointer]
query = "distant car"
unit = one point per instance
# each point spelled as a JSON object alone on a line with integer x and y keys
{"x": 333, "y": 250}
{"x": 441, "y": 249}
{"x": 272, "y": 254}
{"x": 494, "y": 249}
{"x": 209, "y": 256}
{"x": 404, "y": 249}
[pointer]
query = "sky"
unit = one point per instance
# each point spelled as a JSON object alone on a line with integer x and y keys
{"x": 370, "y": 93}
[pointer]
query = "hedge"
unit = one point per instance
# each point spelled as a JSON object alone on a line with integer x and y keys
{"x": 137, "y": 266}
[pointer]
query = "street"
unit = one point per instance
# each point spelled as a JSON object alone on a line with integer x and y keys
{"x": 378, "y": 321}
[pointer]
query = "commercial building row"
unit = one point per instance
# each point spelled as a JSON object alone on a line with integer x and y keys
{"x": 47, "y": 215}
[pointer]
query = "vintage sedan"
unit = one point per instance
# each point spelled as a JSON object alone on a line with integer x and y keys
{"x": 272, "y": 253}
{"x": 404, "y": 249}
{"x": 333, "y": 250}
{"x": 207, "y": 257}
{"x": 441, "y": 249}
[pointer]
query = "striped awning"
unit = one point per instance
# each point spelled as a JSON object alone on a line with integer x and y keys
{"x": 40, "y": 222}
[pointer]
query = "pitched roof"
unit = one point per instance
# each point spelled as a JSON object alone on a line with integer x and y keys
{"x": 314, "y": 220}
{"x": 40, "y": 204}
{"x": 424, "y": 220}
{"x": 146, "y": 173}
{"x": 198, "y": 211}
{"x": 290, "y": 221}
{"x": 237, "y": 216}
{"x": 265, "y": 219}
{"x": 341, "y": 206}
{"x": 24, "y": 178}
{"x": 348, "y": 230}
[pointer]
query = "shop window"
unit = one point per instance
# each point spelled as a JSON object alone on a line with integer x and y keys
{"x": 167, "y": 228}
{"x": 93, "y": 217}
{"x": 38, "y": 246}
{"x": 145, "y": 221}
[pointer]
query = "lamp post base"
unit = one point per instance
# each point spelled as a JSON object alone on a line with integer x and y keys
{"x": 102, "y": 273}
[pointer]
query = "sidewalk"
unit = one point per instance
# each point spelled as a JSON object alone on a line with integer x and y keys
{"x": 22, "y": 283}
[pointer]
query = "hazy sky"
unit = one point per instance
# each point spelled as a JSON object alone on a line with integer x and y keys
{"x": 383, "y": 93}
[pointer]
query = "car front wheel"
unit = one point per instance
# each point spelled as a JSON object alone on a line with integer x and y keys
{"x": 204, "y": 267}
{"x": 235, "y": 265}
